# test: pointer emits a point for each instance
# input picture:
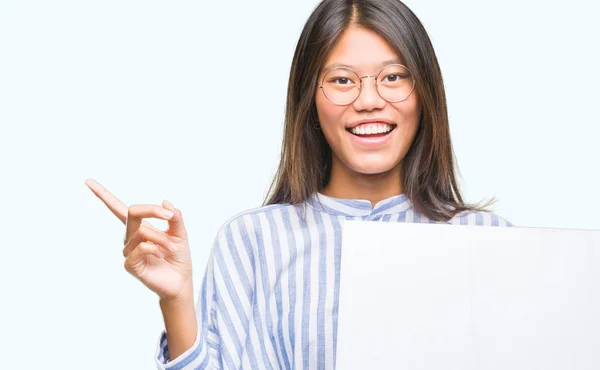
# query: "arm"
(183, 345)
(180, 322)
(169, 275)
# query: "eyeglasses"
(342, 86)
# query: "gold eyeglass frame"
(376, 83)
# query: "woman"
(366, 137)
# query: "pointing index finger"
(115, 205)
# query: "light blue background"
(136, 94)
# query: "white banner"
(432, 297)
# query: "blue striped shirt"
(269, 297)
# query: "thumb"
(176, 227)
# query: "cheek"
(329, 114)
(406, 135)
(410, 109)
(409, 112)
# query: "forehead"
(361, 50)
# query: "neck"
(347, 184)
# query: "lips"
(371, 141)
(371, 129)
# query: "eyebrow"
(382, 64)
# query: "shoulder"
(238, 243)
(246, 226)
(479, 218)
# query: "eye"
(341, 80)
(394, 77)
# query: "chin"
(373, 167)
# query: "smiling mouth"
(371, 130)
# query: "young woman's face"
(366, 53)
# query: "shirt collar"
(358, 207)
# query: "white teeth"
(371, 128)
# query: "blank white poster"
(430, 297)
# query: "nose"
(368, 98)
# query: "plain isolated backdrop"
(185, 100)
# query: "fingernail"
(167, 213)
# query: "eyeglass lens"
(342, 85)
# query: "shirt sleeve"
(480, 218)
(204, 352)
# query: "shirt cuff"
(187, 360)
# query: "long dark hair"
(428, 173)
